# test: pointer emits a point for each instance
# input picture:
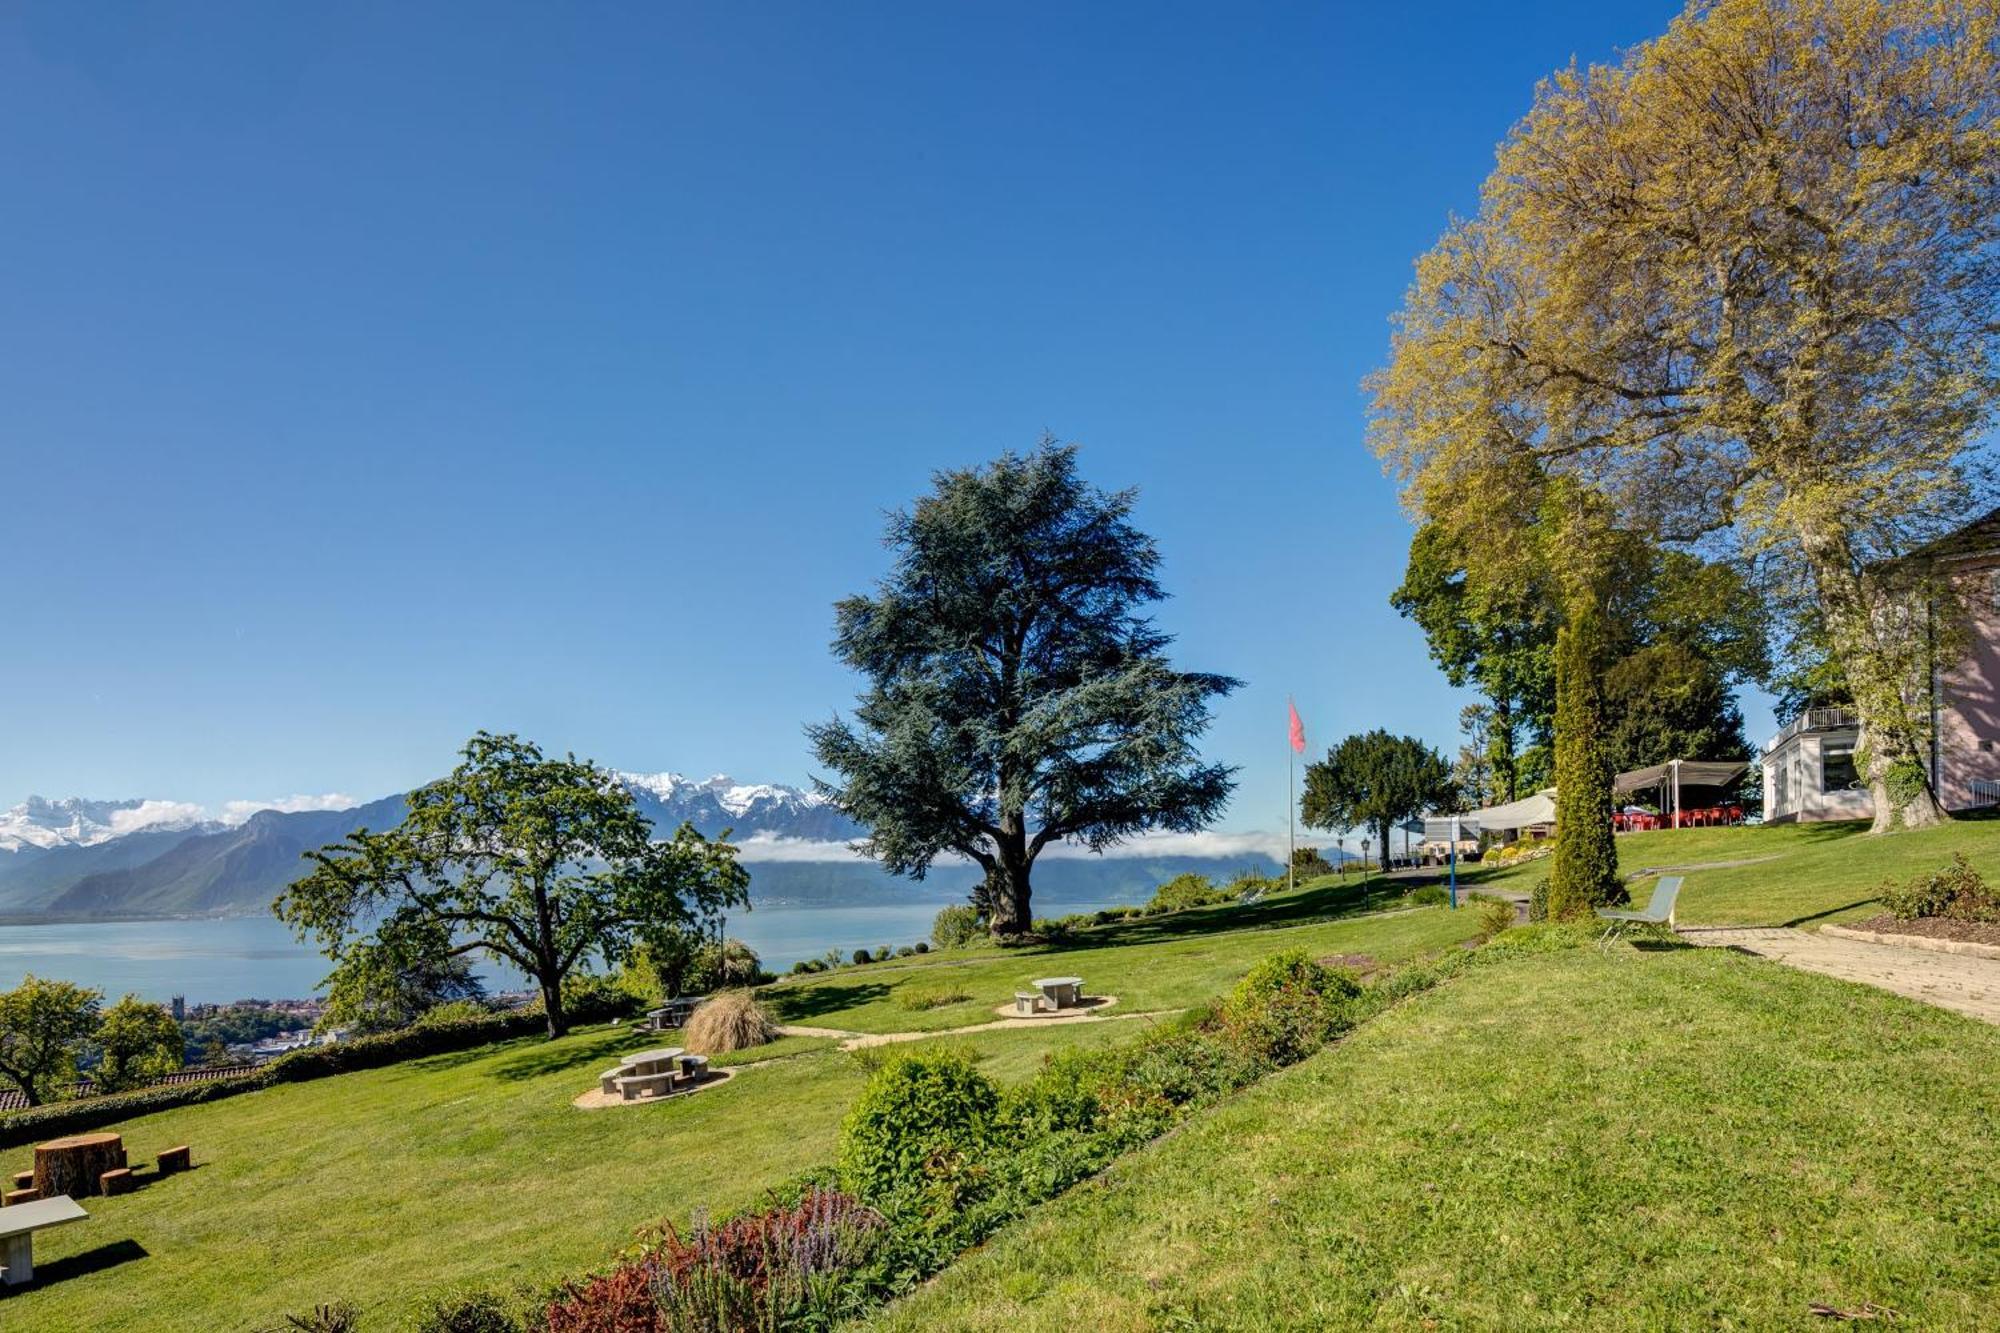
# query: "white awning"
(1527, 812)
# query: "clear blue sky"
(376, 373)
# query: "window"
(1836, 768)
(1780, 789)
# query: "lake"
(236, 958)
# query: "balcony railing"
(1814, 719)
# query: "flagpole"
(1291, 809)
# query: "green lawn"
(1816, 872)
(1159, 963)
(378, 1187)
(1666, 1139)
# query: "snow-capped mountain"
(77, 821)
(749, 809)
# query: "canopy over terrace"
(1514, 817)
(1698, 788)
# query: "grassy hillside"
(379, 1187)
(1788, 874)
(1672, 1139)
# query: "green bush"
(35, 1124)
(925, 1119)
(862, 956)
(1957, 893)
(957, 925)
(1495, 915)
(479, 1310)
(453, 1011)
(1186, 891)
(1429, 895)
(1287, 1006)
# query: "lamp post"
(1364, 858)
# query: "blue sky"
(372, 374)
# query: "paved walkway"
(1969, 985)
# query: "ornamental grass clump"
(730, 1021)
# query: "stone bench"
(18, 1225)
(634, 1085)
(1027, 1002)
(694, 1068)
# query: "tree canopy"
(136, 1041)
(1375, 781)
(43, 1026)
(1017, 695)
(540, 862)
(1739, 286)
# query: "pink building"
(1809, 769)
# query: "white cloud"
(235, 812)
(148, 814)
(1221, 846)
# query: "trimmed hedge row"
(344, 1057)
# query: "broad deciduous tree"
(43, 1025)
(1017, 696)
(1375, 781)
(539, 862)
(136, 1041)
(1741, 284)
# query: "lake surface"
(255, 957)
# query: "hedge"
(387, 1048)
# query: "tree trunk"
(1871, 640)
(1009, 880)
(552, 1006)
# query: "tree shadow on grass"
(1329, 903)
(800, 1004)
(541, 1061)
(1831, 911)
(73, 1266)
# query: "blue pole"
(1454, 861)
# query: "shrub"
(1429, 895)
(1287, 1006)
(921, 946)
(339, 1317)
(862, 956)
(925, 1118)
(620, 1301)
(1957, 892)
(731, 1020)
(917, 998)
(1310, 863)
(453, 1011)
(783, 1266)
(1250, 882)
(474, 1310)
(1495, 915)
(904, 951)
(1186, 891)
(957, 925)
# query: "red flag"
(1298, 728)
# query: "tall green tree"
(542, 863)
(1375, 781)
(1018, 696)
(397, 978)
(136, 1041)
(43, 1026)
(1665, 702)
(1742, 284)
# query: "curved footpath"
(1968, 985)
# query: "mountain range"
(104, 859)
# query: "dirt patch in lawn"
(1359, 962)
(1934, 928)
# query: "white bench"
(18, 1225)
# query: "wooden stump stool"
(12, 1197)
(24, 1180)
(75, 1165)
(120, 1181)
(175, 1159)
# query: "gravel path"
(855, 1041)
(1969, 985)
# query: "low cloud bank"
(1219, 846)
(235, 812)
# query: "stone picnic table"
(1061, 992)
(18, 1225)
(650, 1073)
